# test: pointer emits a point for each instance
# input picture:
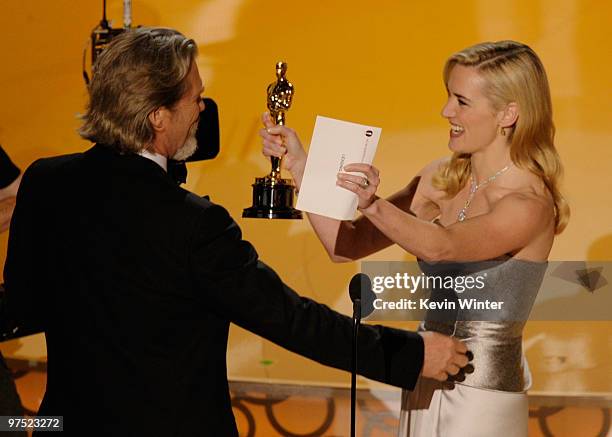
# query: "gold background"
(371, 62)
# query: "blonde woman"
(496, 197)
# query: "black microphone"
(360, 291)
(360, 288)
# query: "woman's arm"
(7, 203)
(343, 240)
(353, 240)
(361, 237)
(7, 206)
(282, 141)
(514, 221)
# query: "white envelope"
(334, 144)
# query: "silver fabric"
(497, 342)
(492, 399)
(498, 357)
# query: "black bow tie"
(177, 170)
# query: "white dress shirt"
(160, 160)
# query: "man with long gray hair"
(135, 280)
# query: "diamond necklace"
(475, 187)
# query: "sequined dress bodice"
(494, 337)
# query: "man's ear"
(159, 118)
(508, 116)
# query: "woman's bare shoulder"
(424, 198)
(430, 169)
(523, 185)
(426, 175)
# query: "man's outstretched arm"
(239, 287)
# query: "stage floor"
(265, 409)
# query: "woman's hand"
(282, 141)
(364, 186)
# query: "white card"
(335, 143)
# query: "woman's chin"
(454, 146)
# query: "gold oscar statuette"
(273, 195)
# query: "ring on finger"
(366, 182)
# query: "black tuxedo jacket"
(135, 281)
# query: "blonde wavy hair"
(140, 71)
(512, 72)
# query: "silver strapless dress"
(492, 400)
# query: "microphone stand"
(359, 287)
(356, 323)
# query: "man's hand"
(444, 356)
